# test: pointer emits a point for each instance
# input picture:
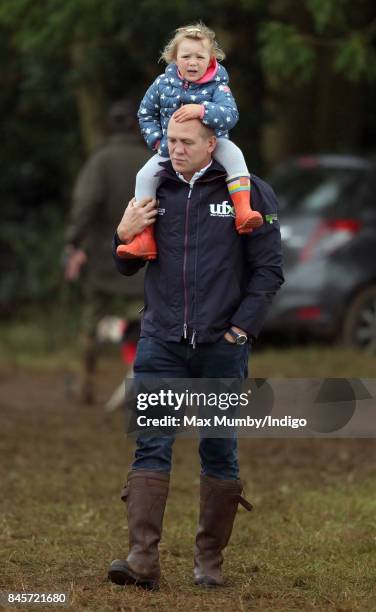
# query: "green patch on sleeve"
(270, 218)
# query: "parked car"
(328, 226)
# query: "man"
(105, 182)
(206, 298)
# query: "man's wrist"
(238, 335)
(122, 237)
(236, 329)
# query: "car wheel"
(359, 327)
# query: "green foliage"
(31, 255)
(285, 53)
(44, 25)
(291, 50)
(356, 59)
(328, 14)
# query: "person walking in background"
(104, 183)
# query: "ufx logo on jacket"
(222, 210)
(160, 211)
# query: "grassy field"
(309, 544)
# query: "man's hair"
(196, 31)
(206, 131)
(122, 116)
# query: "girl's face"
(192, 59)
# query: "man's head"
(121, 117)
(190, 145)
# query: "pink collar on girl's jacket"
(209, 74)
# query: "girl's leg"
(146, 181)
(239, 185)
(143, 245)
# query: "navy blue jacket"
(207, 277)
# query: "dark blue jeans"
(218, 456)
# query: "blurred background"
(303, 74)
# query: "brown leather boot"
(219, 501)
(146, 495)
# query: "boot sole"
(121, 574)
(207, 583)
(124, 254)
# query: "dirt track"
(62, 467)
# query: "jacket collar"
(209, 75)
(219, 75)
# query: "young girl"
(194, 85)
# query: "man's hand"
(228, 336)
(188, 111)
(137, 216)
(75, 259)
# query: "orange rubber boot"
(246, 219)
(142, 246)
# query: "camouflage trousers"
(97, 305)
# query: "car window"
(316, 189)
(367, 193)
(323, 195)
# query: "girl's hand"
(188, 111)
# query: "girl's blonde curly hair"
(196, 31)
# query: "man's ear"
(212, 143)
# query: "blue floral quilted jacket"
(169, 91)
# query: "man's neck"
(192, 177)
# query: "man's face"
(190, 146)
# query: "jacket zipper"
(193, 339)
(185, 326)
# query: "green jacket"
(103, 188)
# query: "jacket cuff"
(202, 113)
(243, 324)
(117, 240)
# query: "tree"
(319, 57)
(295, 34)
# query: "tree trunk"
(90, 101)
(317, 117)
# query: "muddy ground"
(310, 542)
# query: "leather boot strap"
(243, 502)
